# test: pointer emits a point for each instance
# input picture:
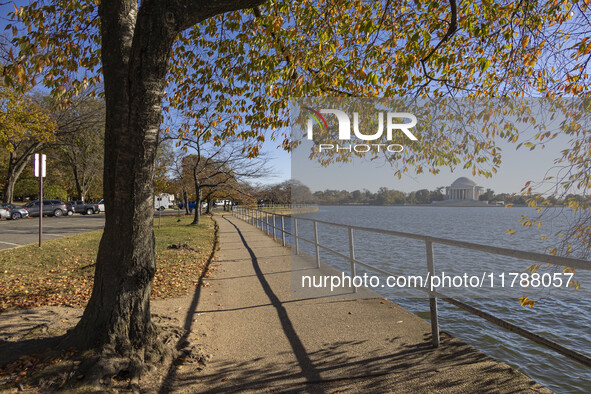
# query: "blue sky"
(5, 8)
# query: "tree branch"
(190, 12)
(451, 30)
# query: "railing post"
(316, 244)
(267, 221)
(295, 234)
(283, 230)
(274, 234)
(432, 298)
(352, 256)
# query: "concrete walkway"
(263, 339)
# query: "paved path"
(262, 338)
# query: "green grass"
(62, 271)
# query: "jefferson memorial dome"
(463, 189)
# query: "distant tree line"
(383, 196)
(293, 191)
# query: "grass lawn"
(62, 271)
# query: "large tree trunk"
(118, 313)
(135, 50)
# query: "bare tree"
(80, 143)
(214, 166)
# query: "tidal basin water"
(563, 315)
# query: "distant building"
(463, 189)
(463, 192)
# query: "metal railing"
(280, 206)
(268, 220)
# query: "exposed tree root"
(109, 369)
(104, 370)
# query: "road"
(15, 233)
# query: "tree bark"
(186, 200)
(134, 55)
(136, 47)
(198, 199)
(79, 192)
(16, 165)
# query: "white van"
(163, 201)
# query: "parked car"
(86, 209)
(50, 207)
(191, 204)
(15, 212)
(101, 205)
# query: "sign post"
(40, 172)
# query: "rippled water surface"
(564, 316)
